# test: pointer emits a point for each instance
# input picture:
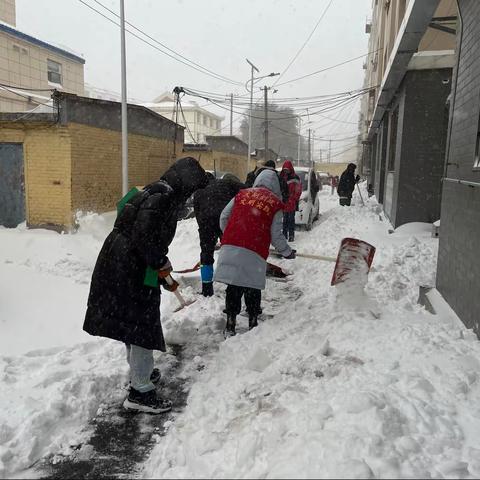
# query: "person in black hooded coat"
(346, 185)
(120, 305)
(208, 204)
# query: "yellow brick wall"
(46, 153)
(97, 165)
(225, 162)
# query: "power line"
(191, 65)
(305, 43)
(328, 68)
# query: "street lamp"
(251, 81)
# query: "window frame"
(50, 63)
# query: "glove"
(206, 272)
(165, 270)
(292, 255)
(207, 289)
(357, 178)
(170, 287)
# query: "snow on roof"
(56, 48)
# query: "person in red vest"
(294, 192)
(250, 223)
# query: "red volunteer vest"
(251, 220)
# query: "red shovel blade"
(354, 260)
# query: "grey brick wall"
(458, 274)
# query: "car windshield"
(304, 179)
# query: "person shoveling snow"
(124, 301)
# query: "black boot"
(252, 321)
(207, 289)
(230, 326)
(147, 402)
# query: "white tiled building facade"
(30, 63)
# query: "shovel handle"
(169, 281)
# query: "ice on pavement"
(334, 385)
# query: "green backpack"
(151, 275)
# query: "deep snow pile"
(53, 376)
(334, 386)
(371, 385)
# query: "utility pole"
(329, 151)
(265, 106)
(313, 149)
(231, 114)
(124, 102)
(309, 146)
(250, 113)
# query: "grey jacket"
(240, 266)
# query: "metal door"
(12, 186)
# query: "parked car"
(187, 210)
(309, 204)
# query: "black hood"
(351, 167)
(185, 176)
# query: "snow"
(355, 384)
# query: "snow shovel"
(183, 303)
(308, 255)
(353, 262)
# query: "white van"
(309, 204)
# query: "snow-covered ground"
(333, 385)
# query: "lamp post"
(124, 102)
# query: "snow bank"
(337, 387)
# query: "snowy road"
(324, 388)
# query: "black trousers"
(345, 201)
(233, 300)
(289, 225)
(209, 233)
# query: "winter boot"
(147, 402)
(230, 326)
(155, 375)
(252, 321)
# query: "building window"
(54, 72)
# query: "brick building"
(223, 153)
(55, 164)
(404, 119)
(458, 271)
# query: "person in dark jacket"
(208, 204)
(346, 185)
(294, 192)
(124, 299)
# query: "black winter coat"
(347, 182)
(208, 204)
(120, 306)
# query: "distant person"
(294, 191)
(250, 223)
(124, 299)
(334, 183)
(346, 185)
(208, 204)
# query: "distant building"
(458, 274)
(198, 123)
(403, 121)
(29, 63)
(221, 153)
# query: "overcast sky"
(218, 34)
